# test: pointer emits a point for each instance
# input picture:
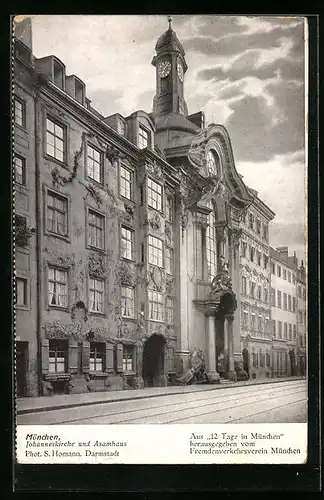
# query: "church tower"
(170, 67)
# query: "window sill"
(96, 183)
(58, 236)
(96, 249)
(21, 127)
(129, 318)
(130, 200)
(157, 320)
(58, 308)
(96, 313)
(98, 374)
(57, 376)
(58, 162)
(130, 373)
(21, 307)
(128, 260)
(21, 188)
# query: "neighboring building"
(301, 320)
(254, 298)
(127, 260)
(284, 312)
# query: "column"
(213, 375)
(231, 375)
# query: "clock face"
(180, 71)
(164, 68)
(211, 163)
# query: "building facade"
(142, 258)
(301, 293)
(284, 269)
(254, 298)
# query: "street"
(279, 402)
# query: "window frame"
(64, 127)
(159, 258)
(169, 310)
(169, 259)
(93, 348)
(132, 241)
(160, 309)
(141, 127)
(61, 345)
(278, 271)
(96, 291)
(22, 102)
(66, 199)
(151, 190)
(24, 172)
(95, 149)
(132, 299)
(127, 181)
(25, 281)
(65, 270)
(129, 348)
(100, 215)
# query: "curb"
(223, 385)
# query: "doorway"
(21, 368)
(153, 361)
(246, 361)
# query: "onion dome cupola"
(170, 67)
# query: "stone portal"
(153, 361)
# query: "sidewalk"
(61, 401)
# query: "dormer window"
(79, 91)
(144, 137)
(58, 73)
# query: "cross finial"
(170, 22)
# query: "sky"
(245, 73)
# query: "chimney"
(23, 30)
(283, 252)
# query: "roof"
(174, 121)
(289, 261)
(169, 40)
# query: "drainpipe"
(38, 244)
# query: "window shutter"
(109, 357)
(45, 356)
(119, 350)
(85, 357)
(73, 356)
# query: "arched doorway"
(153, 361)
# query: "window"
(273, 297)
(96, 295)
(252, 289)
(169, 260)
(243, 246)
(169, 310)
(300, 316)
(156, 305)
(169, 209)
(20, 170)
(251, 221)
(96, 230)
(268, 362)
(211, 245)
(58, 74)
(299, 292)
(143, 137)
(285, 330)
(266, 294)
(265, 232)
(79, 91)
(97, 356)
(259, 258)
(57, 287)
(57, 214)
(243, 285)
(155, 251)
(20, 114)
(289, 276)
(289, 302)
(255, 359)
(285, 301)
(127, 301)
(293, 278)
(154, 194)
(284, 273)
(274, 328)
(253, 321)
(94, 164)
(245, 315)
(127, 243)
(258, 226)
(125, 183)
(260, 323)
(273, 268)
(57, 360)
(290, 331)
(280, 329)
(294, 304)
(251, 254)
(21, 292)
(259, 292)
(279, 271)
(279, 299)
(128, 358)
(294, 332)
(55, 140)
(265, 261)
(262, 359)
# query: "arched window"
(211, 244)
(212, 161)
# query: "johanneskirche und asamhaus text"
(142, 257)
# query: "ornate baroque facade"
(129, 238)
